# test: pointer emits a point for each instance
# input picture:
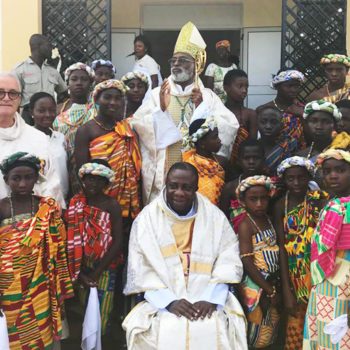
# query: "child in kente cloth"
(34, 278)
(201, 147)
(330, 257)
(251, 159)
(94, 225)
(260, 256)
(295, 217)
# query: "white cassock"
(158, 132)
(155, 267)
(22, 137)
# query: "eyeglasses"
(13, 95)
(180, 60)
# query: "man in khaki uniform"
(35, 75)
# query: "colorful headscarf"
(296, 161)
(19, 159)
(324, 106)
(286, 76)
(256, 180)
(135, 75)
(109, 84)
(338, 154)
(335, 58)
(98, 170)
(189, 141)
(100, 63)
(342, 141)
(77, 66)
(223, 43)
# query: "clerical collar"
(187, 89)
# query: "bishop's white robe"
(158, 131)
(154, 267)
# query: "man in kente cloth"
(184, 269)
(163, 120)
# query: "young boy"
(236, 87)
(251, 160)
(94, 230)
(344, 108)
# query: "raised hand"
(196, 97)
(164, 95)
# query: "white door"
(261, 59)
(122, 46)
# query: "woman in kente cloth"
(110, 137)
(336, 68)
(34, 278)
(138, 86)
(295, 217)
(330, 259)
(288, 85)
(94, 236)
(74, 112)
(260, 256)
(201, 146)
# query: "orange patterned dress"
(211, 175)
(120, 148)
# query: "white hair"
(9, 75)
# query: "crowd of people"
(227, 227)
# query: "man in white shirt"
(163, 120)
(16, 136)
(183, 254)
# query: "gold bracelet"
(273, 294)
(247, 254)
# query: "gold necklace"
(274, 102)
(102, 126)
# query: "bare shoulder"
(278, 207)
(245, 227)
(223, 161)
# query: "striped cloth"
(68, 122)
(121, 150)
(331, 234)
(89, 238)
(261, 327)
(34, 278)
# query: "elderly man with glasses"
(17, 136)
(162, 122)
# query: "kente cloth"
(340, 94)
(154, 263)
(242, 134)
(155, 160)
(328, 300)
(292, 131)
(295, 329)
(261, 326)
(68, 123)
(34, 278)
(331, 234)
(299, 225)
(89, 238)
(211, 175)
(285, 148)
(237, 213)
(120, 148)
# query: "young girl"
(330, 256)
(34, 278)
(260, 256)
(251, 160)
(43, 109)
(295, 218)
(203, 143)
(95, 235)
